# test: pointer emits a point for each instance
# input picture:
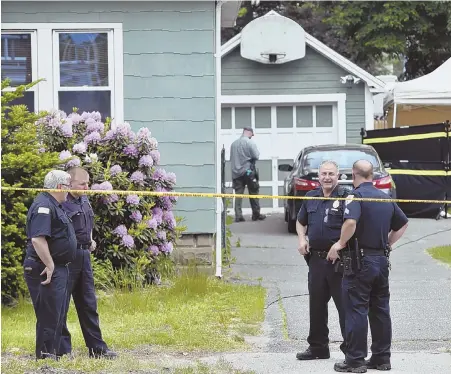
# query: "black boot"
(373, 365)
(259, 217)
(308, 354)
(343, 367)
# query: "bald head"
(79, 180)
(363, 169)
(76, 171)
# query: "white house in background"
(295, 92)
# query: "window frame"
(44, 64)
(34, 61)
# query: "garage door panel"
(326, 138)
(281, 192)
(243, 117)
(288, 145)
(304, 117)
(324, 116)
(263, 117)
(226, 118)
(227, 140)
(228, 171)
(264, 145)
(265, 170)
(284, 115)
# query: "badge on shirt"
(335, 204)
(349, 199)
(43, 210)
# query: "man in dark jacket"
(79, 209)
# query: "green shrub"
(135, 233)
(23, 165)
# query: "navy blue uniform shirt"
(80, 212)
(374, 219)
(47, 218)
(323, 219)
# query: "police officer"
(51, 246)
(243, 156)
(322, 219)
(372, 228)
(82, 289)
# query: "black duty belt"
(38, 260)
(372, 252)
(83, 246)
(320, 253)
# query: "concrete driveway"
(420, 299)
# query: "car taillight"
(304, 185)
(383, 183)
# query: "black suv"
(303, 175)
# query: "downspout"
(219, 205)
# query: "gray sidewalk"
(420, 300)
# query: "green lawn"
(441, 253)
(196, 313)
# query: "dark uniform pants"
(83, 293)
(239, 185)
(323, 283)
(366, 296)
(50, 305)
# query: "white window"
(82, 65)
(19, 64)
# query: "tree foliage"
(22, 166)
(417, 33)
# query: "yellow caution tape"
(425, 173)
(226, 195)
(402, 138)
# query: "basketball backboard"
(273, 39)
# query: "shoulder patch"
(349, 199)
(43, 210)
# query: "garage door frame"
(338, 100)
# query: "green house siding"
(313, 74)
(169, 82)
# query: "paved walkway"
(420, 299)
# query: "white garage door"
(281, 131)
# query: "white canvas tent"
(433, 89)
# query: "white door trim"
(283, 99)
